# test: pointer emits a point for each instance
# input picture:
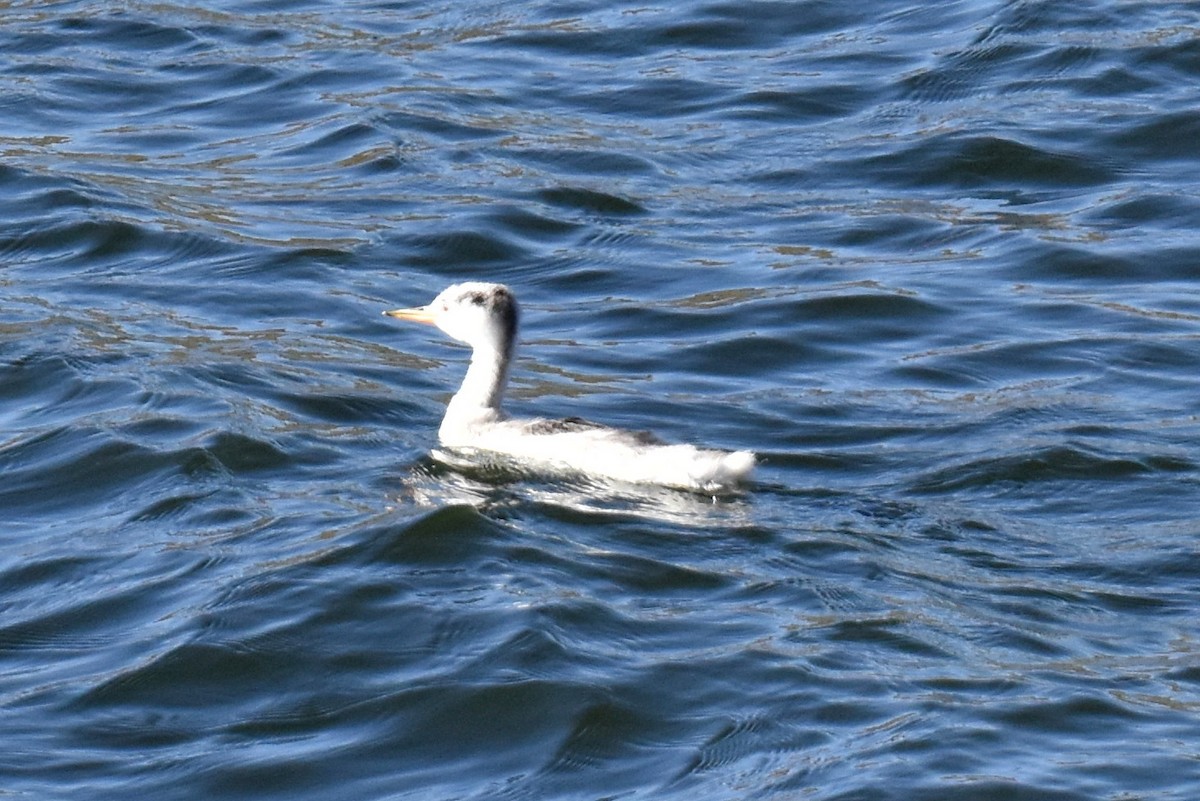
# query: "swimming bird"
(485, 316)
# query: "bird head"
(482, 315)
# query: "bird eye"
(477, 298)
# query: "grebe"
(485, 316)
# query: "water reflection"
(494, 485)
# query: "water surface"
(936, 263)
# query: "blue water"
(937, 264)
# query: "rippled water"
(936, 263)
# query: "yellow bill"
(421, 314)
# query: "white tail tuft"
(723, 471)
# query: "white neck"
(478, 399)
